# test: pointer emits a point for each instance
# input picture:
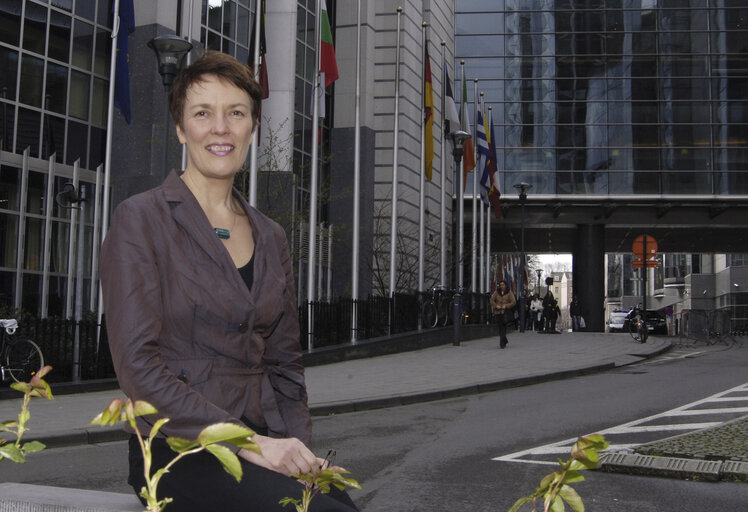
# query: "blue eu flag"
(122, 74)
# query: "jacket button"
(243, 327)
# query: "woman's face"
(502, 286)
(217, 127)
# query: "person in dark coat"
(575, 312)
(201, 311)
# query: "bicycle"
(436, 310)
(20, 358)
(638, 325)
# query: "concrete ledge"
(41, 498)
(661, 466)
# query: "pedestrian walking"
(575, 312)
(502, 304)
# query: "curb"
(430, 396)
(674, 467)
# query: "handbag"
(582, 325)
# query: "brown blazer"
(186, 334)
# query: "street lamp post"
(458, 138)
(538, 271)
(170, 51)
(522, 188)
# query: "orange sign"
(638, 247)
(640, 263)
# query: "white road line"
(661, 428)
(639, 426)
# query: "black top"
(248, 272)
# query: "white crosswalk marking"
(661, 422)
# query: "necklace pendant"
(223, 234)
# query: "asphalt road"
(439, 456)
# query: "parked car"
(655, 322)
(616, 320)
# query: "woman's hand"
(286, 456)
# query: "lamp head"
(523, 188)
(458, 138)
(170, 51)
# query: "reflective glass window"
(11, 188)
(59, 37)
(7, 121)
(104, 12)
(242, 26)
(79, 95)
(479, 23)
(77, 143)
(29, 128)
(57, 87)
(102, 55)
(9, 65)
(53, 137)
(99, 102)
(32, 77)
(35, 28)
(10, 21)
(63, 4)
(477, 45)
(85, 9)
(229, 19)
(83, 44)
(98, 147)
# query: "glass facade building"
(54, 80)
(613, 97)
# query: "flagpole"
(491, 145)
(252, 195)
(396, 129)
(313, 184)
(422, 194)
(460, 201)
(474, 223)
(189, 61)
(108, 151)
(481, 255)
(356, 180)
(443, 182)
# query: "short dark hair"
(223, 66)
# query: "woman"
(201, 312)
(502, 301)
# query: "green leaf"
(519, 503)
(181, 445)
(228, 459)
(557, 505)
(110, 415)
(157, 426)
(572, 498)
(573, 476)
(224, 432)
(143, 408)
(24, 416)
(7, 425)
(33, 446)
(578, 464)
(12, 452)
(23, 387)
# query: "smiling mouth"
(214, 148)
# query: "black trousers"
(501, 321)
(198, 483)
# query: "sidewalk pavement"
(430, 374)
